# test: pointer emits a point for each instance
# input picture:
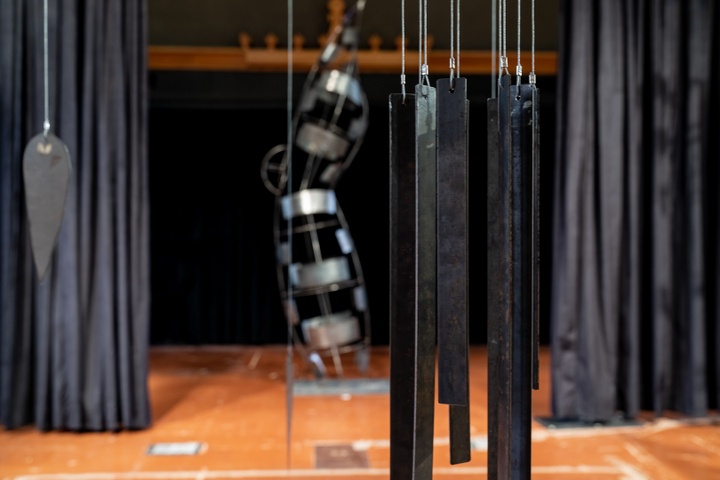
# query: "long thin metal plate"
(426, 127)
(46, 173)
(452, 261)
(536, 238)
(403, 298)
(522, 333)
(460, 443)
(499, 296)
(494, 280)
(452, 252)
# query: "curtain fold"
(73, 349)
(635, 233)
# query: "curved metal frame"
(307, 209)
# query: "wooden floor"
(233, 402)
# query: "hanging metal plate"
(510, 269)
(403, 298)
(460, 442)
(452, 261)
(521, 274)
(452, 251)
(426, 129)
(411, 381)
(495, 222)
(46, 173)
(500, 282)
(536, 237)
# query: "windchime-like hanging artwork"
(513, 261)
(429, 269)
(318, 268)
(429, 264)
(46, 178)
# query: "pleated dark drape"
(635, 319)
(73, 350)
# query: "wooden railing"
(243, 59)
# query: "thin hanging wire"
(423, 50)
(289, 351)
(425, 33)
(402, 49)
(494, 41)
(452, 42)
(457, 16)
(46, 68)
(503, 38)
(518, 69)
(532, 78)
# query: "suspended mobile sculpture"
(318, 267)
(46, 177)
(429, 269)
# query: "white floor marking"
(700, 442)
(334, 473)
(628, 471)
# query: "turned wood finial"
(244, 39)
(271, 41)
(399, 42)
(298, 41)
(336, 10)
(322, 40)
(375, 41)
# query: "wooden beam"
(475, 62)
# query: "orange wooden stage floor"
(232, 400)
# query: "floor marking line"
(630, 472)
(700, 442)
(335, 473)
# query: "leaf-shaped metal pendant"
(46, 172)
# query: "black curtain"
(635, 320)
(73, 349)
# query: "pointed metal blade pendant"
(46, 172)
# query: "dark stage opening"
(212, 255)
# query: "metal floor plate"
(340, 456)
(175, 448)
